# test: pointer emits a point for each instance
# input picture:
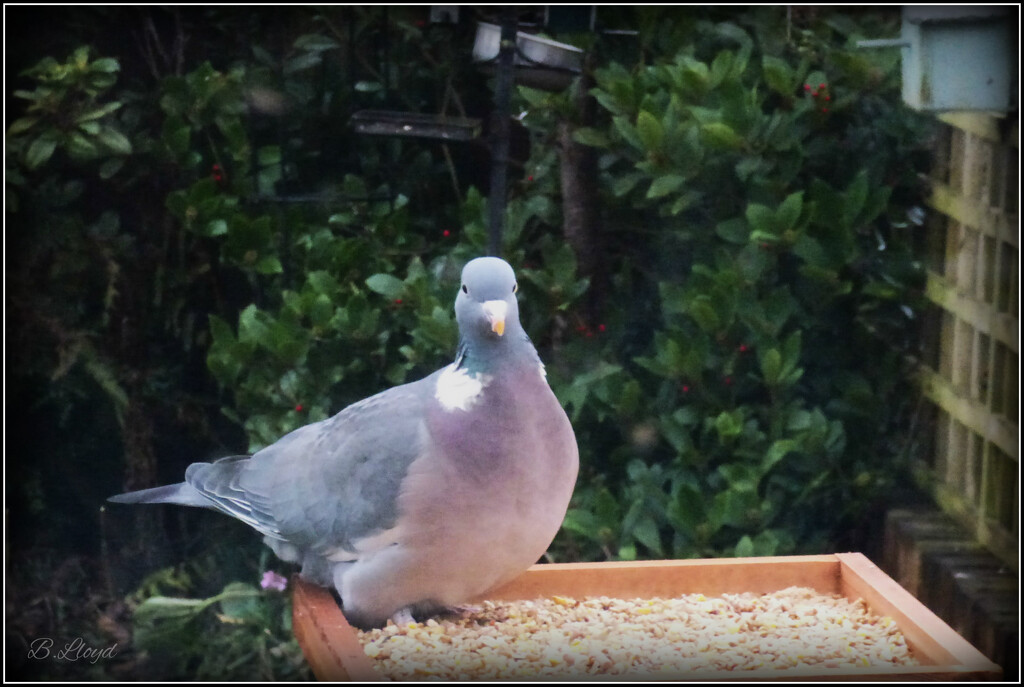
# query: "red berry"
(298, 408)
(728, 381)
(807, 86)
(601, 328)
(446, 233)
(821, 86)
(686, 388)
(743, 348)
(828, 97)
(824, 109)
(398, 301)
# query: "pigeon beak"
(496, 311)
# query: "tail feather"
(182, 494)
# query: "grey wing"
(327, 485)
(220, 483)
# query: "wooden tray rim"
(334, 652)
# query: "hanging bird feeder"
(539, 62)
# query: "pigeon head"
(486, 307)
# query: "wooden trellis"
(971, 375)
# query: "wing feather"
(328, 485)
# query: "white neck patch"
(458, 390)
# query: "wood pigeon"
(425, 495)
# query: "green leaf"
(369, 86)
(322, 282)
(855, 197)
(105, 376)
(304, 61)
(791, 348)
(582, 522)
(22, 125)
(686, 510)
(777, 74)
(240, 601)
(386, 285)
(789, 211)
(627, 552)
(740, 476)
(810, 251)
(722, 136)
(766, 543)
(321, 311)
(664, 185)
(684, 201)
(744, 547)
(106, 65)
(81, 148)
(625, 183)
(749, 166)
(761, 218)
(177, 139)
(100, 112)
(628, 132)
(39, 152)
(646, 532)
(269, 155)
(221, 331)
(771, 366)
(167, 608)
(676, 432)
(776, 452)
(733, 230)
(704, 314)
(115, 141)
(269, 265)
(649, 129)
(111, 166)
(729, 424)
(607, 101)
(730, 507)
(752, 262)
(217, 227)
(315, 42)
(251, 328)
(589, 136)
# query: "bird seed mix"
(562, 637)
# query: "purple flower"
(271, 580)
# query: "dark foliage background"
(713, 228)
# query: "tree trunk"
(580, 200)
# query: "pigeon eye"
(515, 288)
(464, 289)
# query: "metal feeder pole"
(500, 135)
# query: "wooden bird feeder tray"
(413, 124)
(334, 652)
